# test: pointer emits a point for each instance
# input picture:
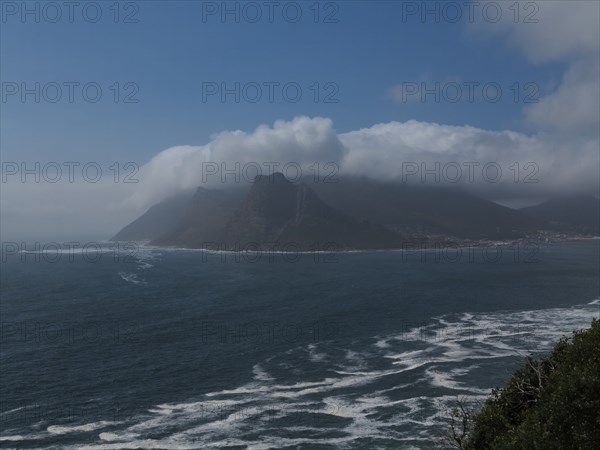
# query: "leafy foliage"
(552, 403)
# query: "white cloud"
(389, 151)
(302, 141)
(381, 151)
(563, 31)
(574, 106)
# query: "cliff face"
(354, 213)
(204, 218)
(428, 210)
(575, 213)
(278, 212)
(157, 221)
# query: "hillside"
(278, 211)
(426, 210)
(354, 213)
(158, 220)
(575, 213)
(551, 403)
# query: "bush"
(552, 403)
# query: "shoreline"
(423, 246)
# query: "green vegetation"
(551, 403)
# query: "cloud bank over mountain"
(413, 152)
(489, 163)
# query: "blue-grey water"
(177, 349)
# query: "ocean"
(182, 349)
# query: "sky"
(153, 106)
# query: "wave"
(132, 278)
(61, 429)
(13, 438)
(12, 411)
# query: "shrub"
(551, 403)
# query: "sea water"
(180, 349)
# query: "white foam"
(131, 278)
(314, 355)
(260, 374)
(382, 343)
(118, 436)
(146, 443)
(467, 339)
(12, 438)
(109, 436)
(6, 413)
(61, 429)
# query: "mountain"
(353, 213)
(204, 219)
(278, 211)
(158, 220)
(426, 210)
(579, 213)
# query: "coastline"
(410, 246)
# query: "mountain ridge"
(354, 213)
(280, 213)
(578, 213)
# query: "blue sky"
(170, 52)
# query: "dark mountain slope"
(426, 210)
(205, 218)
(575, 213)
(158, 220)
(277, 211)
(354, 213)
